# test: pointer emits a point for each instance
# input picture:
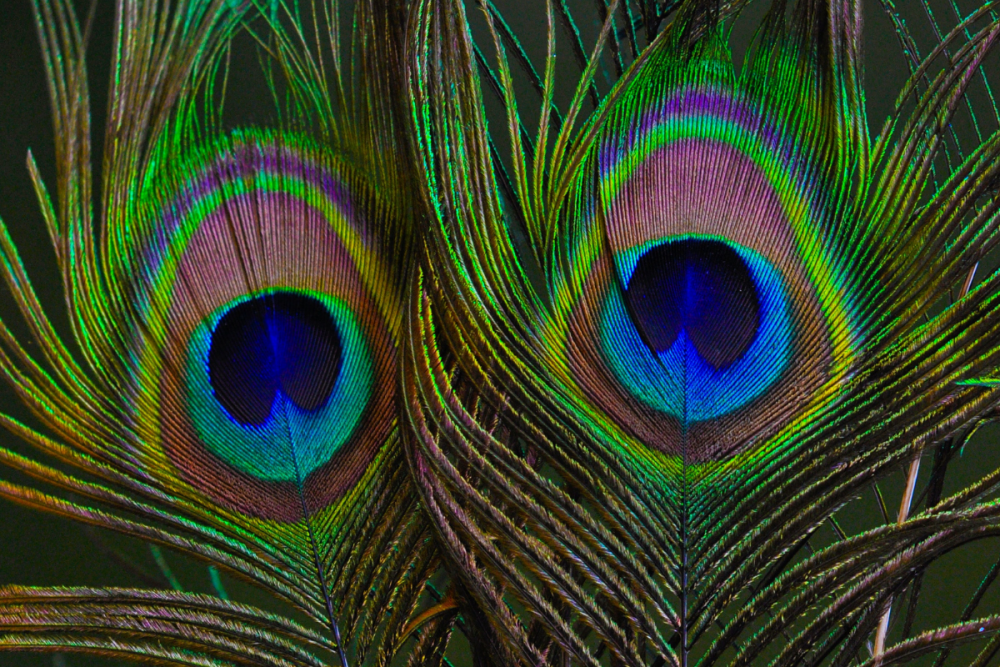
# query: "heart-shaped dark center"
(285, 342)
(702, 287)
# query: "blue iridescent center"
(277, 383)
(702, 328)
(699, 286)
(283, 342)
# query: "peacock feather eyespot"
(278, 365)
(711, 316)
(708, 297)
(268, 353)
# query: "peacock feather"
(237, 305)
(739, 330)
(477, 356)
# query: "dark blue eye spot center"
(285, 342)
(702, 287)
